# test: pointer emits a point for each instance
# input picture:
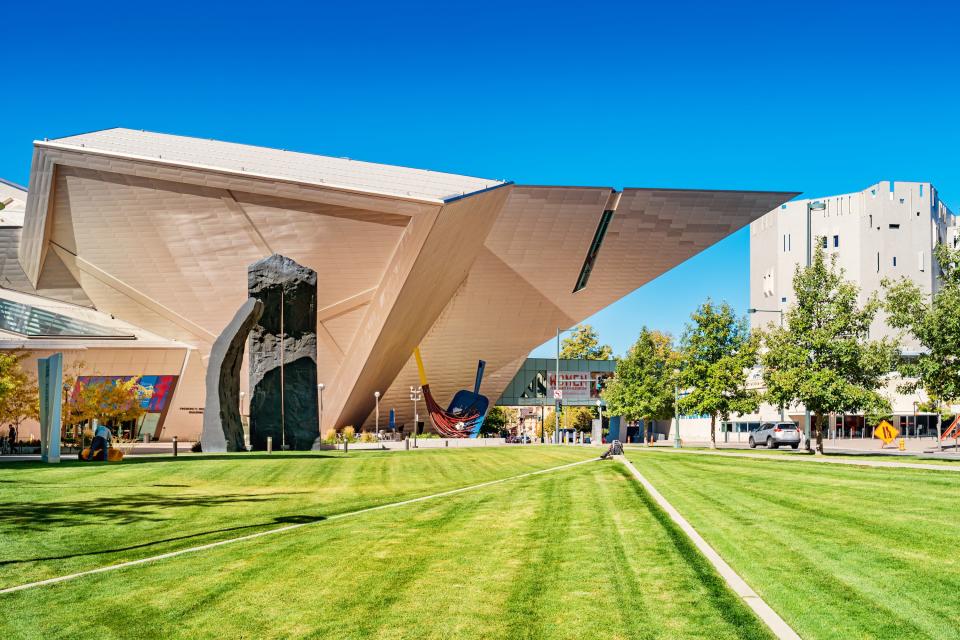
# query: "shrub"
(196, 448)
(428, 434)
(330, 436)
(367, 437)
(348, 433)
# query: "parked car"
(774, 434)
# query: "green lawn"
(839, 551)
(578, 553)
(58, 519)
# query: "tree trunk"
(818, 429)
(713, 431)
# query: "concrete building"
(888, 230)
(157, 231)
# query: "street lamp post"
(600, 415)
(415, 397)
(780, 311)
(556, 386)
(812, 205)
(376, 397)
(676, 409)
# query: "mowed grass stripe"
(839, 552)
(56, 520)
(453, 568)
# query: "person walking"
(101, 442)
(12, 438)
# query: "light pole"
(812, 205)
(376, 397)
(556, 387)
(415, 397)
(676, 408)
(320, 390)
(600, 415)
(780, 311)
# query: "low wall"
(421, 443)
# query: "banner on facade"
(574, 386)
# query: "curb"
(770, 617)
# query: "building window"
(894, 260)
(824, 242)
(836, 241)
(783, 299)
(591, 258)
(894, 226)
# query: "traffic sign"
(886, 432)
(558, 394)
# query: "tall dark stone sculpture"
(283, 355)
(222, 427)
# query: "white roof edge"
(233, 172)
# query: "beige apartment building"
(888, 230)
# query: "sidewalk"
(923, 447)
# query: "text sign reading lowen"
(886, 432)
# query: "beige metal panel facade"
(424, 276)
(520, 290)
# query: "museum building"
(130, 250)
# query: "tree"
(119, 400)
(581, 418)
(642, 387)
(498, 419)
(584, 343)
(822, 356)
(935, 323)
(716, 354)
(78, 403)
(21, 399)
(549, 422)
(11, 369)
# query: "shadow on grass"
(131, 508)
(21, 465)
(721, 597)
(280, 520)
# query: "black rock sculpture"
(283, 355)
(222, 427)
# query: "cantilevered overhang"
(212, 163)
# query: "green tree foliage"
(20, 399)
(716, 354)
(584, 343)
(11, 370)
(498, 419)
(642, 387)
(935, 323)
(822, 357)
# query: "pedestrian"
(12, 438)
(101, 442)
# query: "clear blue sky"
(818, 97)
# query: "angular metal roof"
(304, 168)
